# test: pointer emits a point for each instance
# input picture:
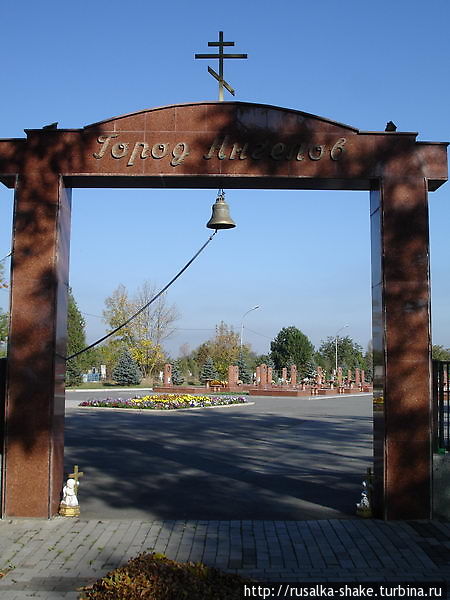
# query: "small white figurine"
(69, 504)
(364, 507)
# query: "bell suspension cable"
(145, 305)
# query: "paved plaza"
(277, 458)
(272, 456)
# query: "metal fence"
(441, 405)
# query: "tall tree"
(224, 348)
(156, 321)
(177, 376)
(208, 372)
(350, 354)
(244, 373)
(143, 335)
(118, 309)
(291, 346)
(76, 341)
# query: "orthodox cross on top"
(221, 56)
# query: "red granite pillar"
(34, 428)
(233, 375)
(263, 374)
(167, 377)
(401, 348)
(293, 375)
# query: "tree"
(3, 282)
(265, 359)
(119, 309)
(368, 362)
(108, 354)
(208, 372)
(177, 377)
(244, 374)
(187, 363)
(145, 332)
(309, 370)
(224, 348)
(440, 353)
(201, 355)
(350, 355)
(126, 372)
(76, 341)
(148, 356)
(291, 346)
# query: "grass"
(95, 385)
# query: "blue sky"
(304, 257)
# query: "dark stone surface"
(284, 458)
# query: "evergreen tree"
(265, 359)
(76, 341)
(309, 370)
(177, 377)
(126, 372)
(291, 345)
(244, 374)
(208, 372)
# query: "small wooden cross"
(75, 475)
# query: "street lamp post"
(242, 325)
(336, 342)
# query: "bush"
(152, 576)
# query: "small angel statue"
(69, 506)
(364, 507)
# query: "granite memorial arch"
(213, 145)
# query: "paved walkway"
(51, 559)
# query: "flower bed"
(165, 402)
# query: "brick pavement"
(51, 559)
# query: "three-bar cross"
(221, 56)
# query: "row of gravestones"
(264, 376)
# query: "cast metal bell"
(220, 218)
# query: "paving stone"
(74, 551)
